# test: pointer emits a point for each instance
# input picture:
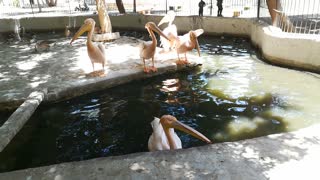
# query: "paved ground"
(22, 70)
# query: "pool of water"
(232, 96)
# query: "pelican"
(96, 53)
(170, 31)
(148, 49)
(164, 137)
(187, 43)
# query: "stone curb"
(16, 121)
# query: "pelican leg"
(154, 69)
(145, 69)
(92, 66)
(179, 62)
(185, 58)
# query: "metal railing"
(299, 16)
(302, 14)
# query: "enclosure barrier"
(295, 16)
(17, 120)
(299, 16)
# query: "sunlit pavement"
(23, 70)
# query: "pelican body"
(96, 53)
(164, 137)
(148, 49)
(170, 31)
(186, 43)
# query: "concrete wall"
(293, 50)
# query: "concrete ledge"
(74, 89)
(17, 120)
(280, 156)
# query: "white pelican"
(96, 53)
(148, 49)
(170, 31)
(187, 43)
(164, 137)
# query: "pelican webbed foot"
(146, 70)
(150, 69)
(99, 73)
(182, 62)
(153, 69)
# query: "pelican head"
(168, 121)
(194, 38)
(168, 18)
(87, 26)
(151, 26)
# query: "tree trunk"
(104, 18)
(279, 17)
(273, 4)
(120, 7)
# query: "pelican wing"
(172, 34)
(146, 50)
(96, 53)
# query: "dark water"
(4, 115)
(117, 121)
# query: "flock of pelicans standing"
(163, 136)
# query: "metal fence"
(302, 14)
(299, 16)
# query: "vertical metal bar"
(211, 8)
(258, 10)
(312, 17)
(301, 18)
(134, 6)
(307, 18)
(294, 17)
(317, 19)
(288, 16)
(166, 6)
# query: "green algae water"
(232, 96)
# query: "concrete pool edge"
(291, 155)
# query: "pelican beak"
(197, 46)
(153, 27)
(187, 129)
(84, 28)
(197, 33)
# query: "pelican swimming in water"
(96, 53)
(164, 137)
(148, 49)
(170, 31)
(187, 43)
